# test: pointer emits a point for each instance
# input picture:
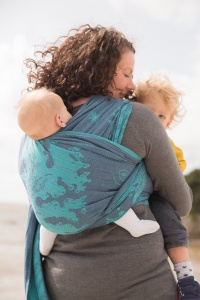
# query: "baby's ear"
(59, 122)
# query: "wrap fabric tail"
(35, 288)
(87, 151)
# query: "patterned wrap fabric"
(77, 180)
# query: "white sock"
(47, 239)
(183, 269)
(135, 226)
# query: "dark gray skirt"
(107, 263)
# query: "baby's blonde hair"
(161, 84)
(36, 115)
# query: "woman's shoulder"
(143, 115)
(141, 108)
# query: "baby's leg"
(135, 226)
(47, 239)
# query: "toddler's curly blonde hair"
(161, 84)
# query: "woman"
(106, 262)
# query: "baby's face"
(157, 104)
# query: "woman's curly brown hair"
(80, 64)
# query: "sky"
(165, 33)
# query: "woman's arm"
(146, 136)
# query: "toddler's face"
(156, 103)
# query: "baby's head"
(159, 94)
(41, 113)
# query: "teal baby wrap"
(81, 177)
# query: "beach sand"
(12, 231)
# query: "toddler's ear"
(59, 122)
(168, 124)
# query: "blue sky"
(166, 34)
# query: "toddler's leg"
(135, 226)
(47, 239)
(174, 232)
(176, 244)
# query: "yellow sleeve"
(179, 154)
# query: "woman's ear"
(59, 122)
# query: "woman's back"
(108, 263)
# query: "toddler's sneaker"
(189, 289)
